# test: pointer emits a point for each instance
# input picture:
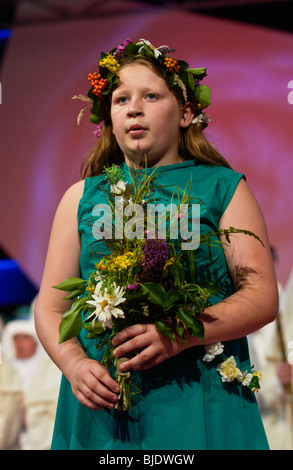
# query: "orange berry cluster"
(98, 83)
(172, 65)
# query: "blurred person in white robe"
(271, 350)
(29, 387)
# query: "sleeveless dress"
(183, 404)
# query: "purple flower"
(155, 254)
(98, 131)
(120, 48)
(132, 286)
(164, 50)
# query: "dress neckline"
(162, 168)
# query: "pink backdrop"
(41, 147)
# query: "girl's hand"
(151, 346)
(92, 385)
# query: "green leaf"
(136, 298)
(191, 82)
(96, 117)
(197, 328)
(131, 49)
(199, 72)
(70, 326)
(186, 316)
(191, 259)
(71, 284)
(177, 272)
(171, 299)
(211, 288)
(194, 325)
(254, 384)
(203, 95)
(180, 331)
(74, 294)
(183, 65)
(95, 330)
(156, 293)
(148, 51)
(165, 330)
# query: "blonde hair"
(192, 142)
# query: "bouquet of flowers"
(141, 280)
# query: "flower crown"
(176, 73)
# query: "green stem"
(123, 380)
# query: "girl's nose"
(135, 108)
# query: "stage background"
(250, 72)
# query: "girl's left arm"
(253, 305)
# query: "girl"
(152, 105)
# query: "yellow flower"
(123, 261)
(169, 262)
(102, 265)
(118, 263)
(228, 370)
(257, 374)
(110, 63)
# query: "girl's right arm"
(90, 381)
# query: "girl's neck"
(142, 161)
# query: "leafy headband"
(176, 73)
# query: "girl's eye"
(151, 97)
(121, 100)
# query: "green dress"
(183, 404)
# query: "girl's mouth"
(136, 130)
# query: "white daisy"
(105, 304)
(144, 42)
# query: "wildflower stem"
(123, 380)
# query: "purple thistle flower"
(155, 254)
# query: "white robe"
(29, 386)
(266, 353)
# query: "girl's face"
(146, 117)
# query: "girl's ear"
(188, 111)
